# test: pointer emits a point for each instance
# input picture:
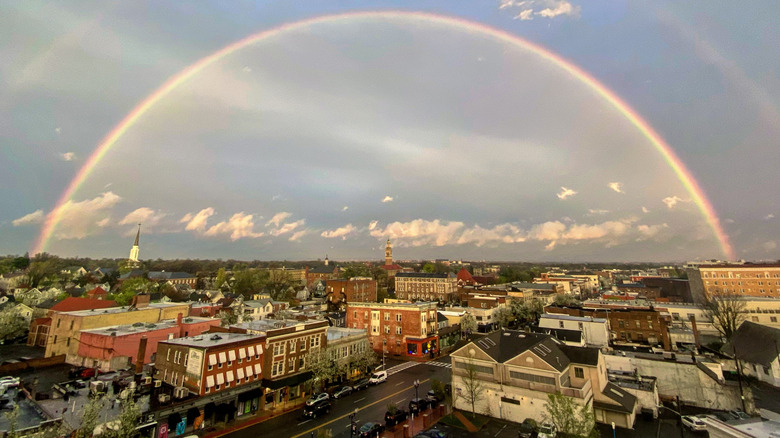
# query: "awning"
(258, 369)
(220, 379)
(209, 381)
(249, 395)
(232, 354)
(249, 371)
(251, 350)
(240, 373)
(212, 359)
(241, 353)
(230, 376)
(222, 357)
(288, 381)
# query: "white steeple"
(134, 250)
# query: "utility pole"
(679, 412)
(739, 377)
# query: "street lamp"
(352, 424)
(416, 385)
(613, 429)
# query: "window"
(398, 317)
(277, 368)
(387, 329)
(772, 319)
(168, 355)
(67, 343)
(579, 373)
(301, 363)
(754, 318)
(71, 325)
(58, 323)
(387, 316)
(398, 330)
(532, 378)
(621, 323)
(638, 325)
(560, 324)
(354, 314)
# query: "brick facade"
(404, 329)
(426, 287)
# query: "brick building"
(402, 329)
(627, 324)
(40, 327)
(672, 289)
(324, 272)
(426, 286)
(358, 289)
(748, 279)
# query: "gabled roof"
(98, 290)
(465, 276)
(71, 304)
(582, 355)
(754, 343)
(561, 334)
(506, 344)
(322, 269)
(625, 400)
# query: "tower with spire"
(388, 253)
(133, 259)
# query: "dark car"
(417, 405)
(432, 395)
(343, 392)
(371, 430)
(76, 372)
(431, 433)
(526, 429)
(360, 385)
(393, 418)
(320, 408)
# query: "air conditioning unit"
(164, 398)
(146, 380)
(157, 383)
(180, 392)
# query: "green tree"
(429, 268)
(41, 272)
(89, 417)
(278, 284)
(127, 422)
(246, 282)
(568, 417)
(565, 300)
(12, 324)
(727, 311)
(364, 360)
(21, 262)
(227, 318)
(324, 369)
(526, 311)
(503, 316)
(221, 278)
(130, 288)
(12, 418)
(468, 324)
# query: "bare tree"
(468, 324)
(473, 386)
(726, 311)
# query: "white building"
(595, 331)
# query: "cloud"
(345, 208)
(276, 198)
(58, 130)
(287, 228)
(540, 8)
(197, 222)
(649, 231)
(420, 232)
(104, 222)
(596, 211)
(35, 217)
(645, 210)
(561, 7)
(144, 215)
(671, 201)
(769, 245)
(80, 219)
(565, 193)
(505, 233)
(616, 186)
(68, 156)
(526, 14)
(278, 218)
(372, 225)
(297, 235)
(387, 199)
(239, 225)
(342, 232)
(768, 217)
(246, 69)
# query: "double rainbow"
(684, 175)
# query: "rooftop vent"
(138, 324)
(216, 338)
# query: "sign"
(181, 426)
(195, 364)
(163, 431)
(198, 423)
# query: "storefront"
(422, 347)
(278, 392)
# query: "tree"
(126, 424)
(364, 360)
(39, 271)
(526, 311)
(278, 284)
(12, 324)
(565, 300)
(503, 316)
(130, 288)
(89, 418)
(12, 418)
(227, 318)
(473, 386)
(322, 366)
(429, 268)
(221, 278)
(726, 311)
(246, 282)
(568, 417)
(468, 324)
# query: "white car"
(317, 397)
(377, 377)
(694, 423)
(9, 381)
(546, 430)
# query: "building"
(97, 293)
(757, 347)
(628, 324)
(544, 292)
(324, 272)
(671, 289)
(748, 279)
(357, 289)
(400, 329)
(519, 371)
(571, 285)
(40, 327)
(391, 268)
(262, 308)
(66, 327)
(132, 260)
(346, 347)
(116, 347)
(465, 278)
(638, 289)
(295, 276)
(594, 331)
(426, 286)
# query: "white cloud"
(58, 130)
(80, 219)
(505, 233)
(276, 198)
(560, 7)
(239, 225)
(420, 232)
(342, 232)
(246, 69)
(297, 235)
(649, 231)
(387, 199)
(565, 193)
(769, 245)
(596, 211)
(278, 218)
(104, 222)
(540, 8)
(35, 217)
(645, 210)
(770, 216)
(197, 222)
(287, 228)
(671, 201)
(144, 215)
(616, 186)
(68, 156)
(372, 225)
(525, 15)
(729, 221)
(345, 208)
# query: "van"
(377, 377)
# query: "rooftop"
(422, 275)
(139, 327)
(213, 340)
(263, 325)
(336, 333)
(561, 316)
(121, 309)
(419, 304)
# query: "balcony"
(581, 393)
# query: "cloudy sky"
(331, 136)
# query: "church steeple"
(388, 253)
(133, 259)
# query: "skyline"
(368, 121)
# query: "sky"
(459, 130)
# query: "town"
(393, 349)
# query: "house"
(757, 347)
(97, 293)
(519, 371)
(357, 289)
(74, 271)
(41, 326)
(254, 310)
(321, 273)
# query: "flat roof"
(273, 324)
(420, 304)
(123, 309)
(336, 333)
(213, 340)
(122, 330)
(572, 318)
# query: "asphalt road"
(370, 403)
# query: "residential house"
(757, 347)
(321, 273)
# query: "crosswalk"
(400, 367)
(439, 364)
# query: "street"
(371, 404)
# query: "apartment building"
(339, 292)
(425, 286)
(748, 279)
(402, 329)
(594, 332)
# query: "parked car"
(9, 382)
(693, 423)
(370, 429)
(343, 392)
(527, 429)
(360, 385)
(417, 405)
(87, 373)
(431, 433)
(393, 418)
(378, 377)
(738, 415)
(317, 409)
(546, 430)
(432, 395)
(722, 416)
(317, 397)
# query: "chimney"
(695, 331)
(139, 362)
(140, 301)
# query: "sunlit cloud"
(144, 215)
(540, 8)
(616, 186)
(566, 193)
(345, 208)
(278, 218)
(387, 199)
(287, 228)
(671, 201)
(297, 235)
(104, 222)
(420, 232)
(645, 209)
(342, 232)
(768, 217)
(239, 225)
(79, 219)
(649, 231)
(35, 217)
(597, 212)
(68, 156)
(197, 221)
(525, 15)
(372, 225)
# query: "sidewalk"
(420, 422)
(244, 422)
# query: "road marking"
(358, 400)
(399, 383)
(347, 415)
(502, 429)
(304, 422)
(399, 401)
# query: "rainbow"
(684, 175)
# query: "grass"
(451, 420)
